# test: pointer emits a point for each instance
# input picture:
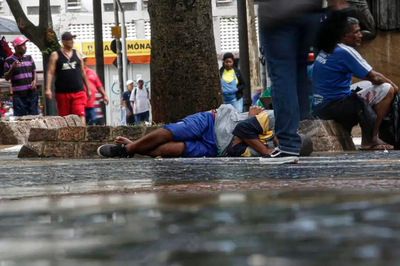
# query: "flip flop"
(377, 147)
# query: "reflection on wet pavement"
(340, 209)
(254, 228)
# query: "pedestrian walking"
(232, 82)
(68, 67)
(140, 102)
(21, 70)
(289, 29)
(95, 86)
(130, 117)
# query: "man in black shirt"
(67, 64)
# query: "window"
(145, 5)
(55, 9)
(126, 6)
(224, 3)
(1, 6)
(129, 6)
(74, 4)
(34, 10)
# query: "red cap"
(19, 40)
(311, 57)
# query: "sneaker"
(279, 157)
(110, 151)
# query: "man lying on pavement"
(205, 134)
(335, 99)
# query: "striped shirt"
(22, 76)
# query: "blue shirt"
(125, 97)
(332, 73)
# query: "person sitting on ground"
(206, 134)
(335, 99)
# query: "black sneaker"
(280, 157)
(111, 151)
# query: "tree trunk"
(51, 106)
(254, 56)
(184, 68)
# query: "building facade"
(76, 16)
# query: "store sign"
(134, 48)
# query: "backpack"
(389, 130)
(134, 94)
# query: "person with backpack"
(140, 102)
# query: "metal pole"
(119, 55)
(244, 63)
(125, 55)
(98, 44)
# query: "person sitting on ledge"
(205, 134)
(336, 99)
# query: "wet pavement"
(330, 209)
(271, 228)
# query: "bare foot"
(255, 110)
(376, 144)
(122, 140)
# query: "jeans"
(237, 104)
(142, 117)
(90, 116)
(26, 105)
(286, 48)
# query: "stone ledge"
(18, 132)
(76, 142)
(326, 136)
(82, 142)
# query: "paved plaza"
(330, 209)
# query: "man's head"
(228, 61)
(129, 85)
(140, 83)
(68, 40)
(352, 35)
(19, 44)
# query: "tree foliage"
(42, 35)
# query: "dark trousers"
(90, 116)
(349, 111)
(286, 48)
(27, 105)
(142, 117)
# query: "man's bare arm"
(377, 78)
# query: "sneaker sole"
(280, 160)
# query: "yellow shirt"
(229, 75)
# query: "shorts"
(373, 94)
(242, 150)
(71, 103)
(248, 129)
(197, 131)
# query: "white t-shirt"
(141, 99)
